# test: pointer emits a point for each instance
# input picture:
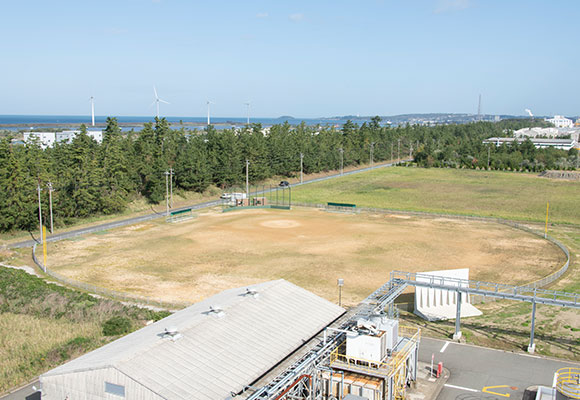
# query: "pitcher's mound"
(280, 223)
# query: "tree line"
(91, 178)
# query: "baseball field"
(194, 259)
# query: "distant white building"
(554, 133)
(560, 121)
(48, 139)
(45, 139)
(562, 144)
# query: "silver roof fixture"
(217, 311)
(172, 333)
(252, 292)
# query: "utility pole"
(371, 156)
(392, 145)
(247, 180)
(341, 160)
(167, 193)
(488, 154)
(40, 212)
(301, 167)
(171, 187)
(398, 149)
(50, 190)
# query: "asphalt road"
(474, 368)
(129, 221)
(23, 393)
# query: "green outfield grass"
(510, 195)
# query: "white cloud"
(296, 17)
(262, 15)
(452, 5)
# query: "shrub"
(116, 326)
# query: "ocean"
(26, 122)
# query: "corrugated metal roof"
(215, 355)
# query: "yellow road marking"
(486, 390)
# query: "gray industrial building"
(210, 350)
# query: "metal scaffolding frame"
(291, 382)
(488, 289)
(317, 359)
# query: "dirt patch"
(198, 258)
(281, 223)
(566, 175)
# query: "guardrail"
(113, 294)
(542, 282)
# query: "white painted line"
(444, 347)
(460, 388)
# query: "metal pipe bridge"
(385, 297)
(487, 289)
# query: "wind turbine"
(92, 100)
(158, 100)
(208, 119)
(248, 105)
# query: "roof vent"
(172, 333)
(252, 292)
(217, 311)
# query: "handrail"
(389, 367)
(568, 382)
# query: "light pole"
(340, 283)
(40, 212)
(247, 180)
(50, 190)
(301, 167)
(398, 149)
(167, 193)
(488, 154)
(171, 187)
(371, 155)
(392, 145)
(341, 160)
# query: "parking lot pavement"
(482, 373)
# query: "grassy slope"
(498, 194)
(43, 325)
(507, 195)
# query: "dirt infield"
(312, 248)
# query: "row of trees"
(91, 178)
(461, 146)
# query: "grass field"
(311, 248)
(507, 195)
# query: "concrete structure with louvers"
(210, 350)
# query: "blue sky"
(300, 58)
